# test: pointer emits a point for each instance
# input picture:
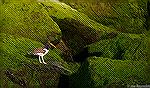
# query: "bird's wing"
(38, 50)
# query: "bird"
(41, 52)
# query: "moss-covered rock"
(123, 47)
(14, 50)
(122, 15)
(55, 8)
(77, 29)
(24, 26)
(124, 61)
(26, 70)
(33, 20)
(29, 20)
(76, 34)
(117, 73)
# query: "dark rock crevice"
(147, 17)
(82, 78)
(119, 54)
(75, 34)
(84, 54)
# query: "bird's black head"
(47, 46)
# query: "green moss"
(123, 47)
(55, 8)
(124, 61)
(29, 20)
(106, 72)
(33, 20)
(14, 56)
(122, 15)
(17, 1)
(25, 26)
(15, 49)
(77, 28)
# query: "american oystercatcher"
(42, 51)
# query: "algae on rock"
(25, 26)
(29, 20)
(126, 15)
(15, 60)
(123, 47)
(77, 29)
(117, 73)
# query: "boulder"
(20, 69)
(28, 20)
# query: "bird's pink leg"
(43, 60)
(40, 60)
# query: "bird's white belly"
(40, 54)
